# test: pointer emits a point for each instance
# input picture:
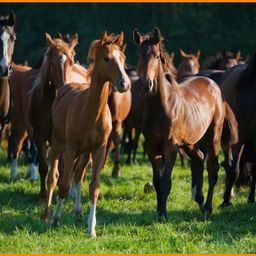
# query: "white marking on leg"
(33, 175)
(14, 167)
(194, 192)
(78, 204)
(92, 221)
(57, 210)
(232, 192)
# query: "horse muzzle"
(122, 85)
(5, 71)
(147, 85)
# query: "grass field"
(126, 218)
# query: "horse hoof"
(92, 233)
(251, 200)
(55, 223)
(207, 210)
(149, 188)
(115, 174)
(226, 204)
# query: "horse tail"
(229, 135)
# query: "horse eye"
(106, 59)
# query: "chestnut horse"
(7, 39)
(189, 66)
(119, 105)
(22, 81)
(177, 116)
(57, 69)
(82, 125)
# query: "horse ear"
(183, 54)
(198, 54)
(12, 18)
(137, 37)
(238, 55)
(172, 56)
(103, 38)
(59, 35)
(49, 40)
(73, 41)
(120, 39)
(123, 48)
(157, 36)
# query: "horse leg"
(107, 151)
(129, 145)
(94, 187)
(79, 173)
(136, 144)
(197, 170)
(170, 154)
(231, 164)
(34, 155)
(251, 198)
(116, 140)
(19, 138)
(64, 185)
(53, 176)
(43, 167)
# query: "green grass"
(126, 218)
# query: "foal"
(82, 125)
(177, 116)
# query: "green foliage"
(211, 27)
(126, 218)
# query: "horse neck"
(98, 96)
(167, 91)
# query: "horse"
(57, 69)
(178, 116)
(134, 119)
(239, 89)
(189, 66)
(82, 125)
(222, 61)
(7, 39)
(119, 105)
(22, 81)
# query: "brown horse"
(177, 116)
(7, 39)
(22, 81)
(82, 124)
(119, 105)
(189, 66)
(57, 69)
(222, 61)
(238, 87)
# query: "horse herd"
(80, 111)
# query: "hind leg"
(136, 144)
(19, 138)
(251, 198)
(43, 167)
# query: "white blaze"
(5, 59)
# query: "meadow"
(126, 217)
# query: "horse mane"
(213, 62)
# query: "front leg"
(94, 189)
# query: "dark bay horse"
(82, 125)
(177, 116)
(7, 41)
(57, 69)
(238, 87)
